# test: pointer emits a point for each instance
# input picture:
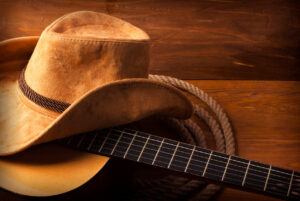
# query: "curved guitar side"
(48, 170)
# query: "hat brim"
(117, 103)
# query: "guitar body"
(48, 169)
(52, 169)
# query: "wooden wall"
(192, 39)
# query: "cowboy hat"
(87, 71)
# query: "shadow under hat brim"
(22, 125)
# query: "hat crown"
(84, 50)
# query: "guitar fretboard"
(145, 148)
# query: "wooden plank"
(265, 118)
(266, 121)
(210, 39)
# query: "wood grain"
(265, 118)
(209, 39)
(266, 121)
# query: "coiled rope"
(177, 188)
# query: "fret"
(143, 148)
(157, 151)
(69, 140)
(105, 139)
(136, 146)
(226, 168)
(216, 166)
(110, 142)
(85, 140)
(188, 163)
(98, 141)
(198, 161)
(112, 151)
(123, 143)
(265, 187)
(80, 140)
(290, 185)
(151, 149)
(207, 163)
(73, 140)
(244, 179)
(257, 175)
(173, 155)
(236, 169)
(181, 157)
(279, 181)
(295, 189)
(92, 141)
(124, 156)
(165, 153)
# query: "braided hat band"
(48, 103)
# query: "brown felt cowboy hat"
(87, 71)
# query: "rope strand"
(193, 134)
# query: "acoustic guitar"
(201, 163)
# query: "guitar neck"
(215, 166)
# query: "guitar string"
(283, 191)
(192, 159)
(253, 184)
(288, 178)
(218, 171)
(264, 178)
(246, 163)
(217, 161)
(232, 179)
